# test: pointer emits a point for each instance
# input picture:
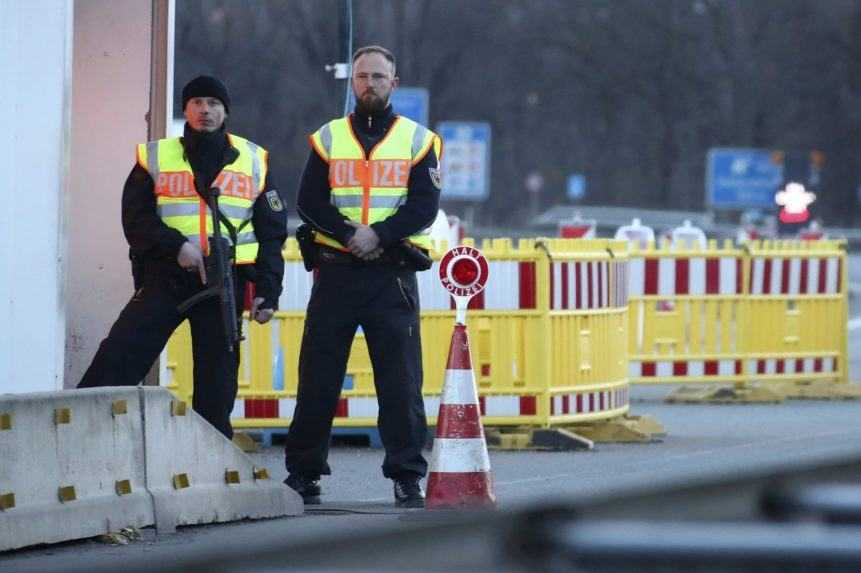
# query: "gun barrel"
(221, 253)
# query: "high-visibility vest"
(368, 189)
(181, 208)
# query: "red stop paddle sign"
(463, 271)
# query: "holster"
(307, 246)
(414, 257)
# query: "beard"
(371, 103)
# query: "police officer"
(369, 190)
(167, 225)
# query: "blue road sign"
(412, 103)
(742, 178)
(465, 160)
(576, 187)
(409, 102)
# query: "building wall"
(35, 92)
(111, 90)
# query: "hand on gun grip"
(191, 258)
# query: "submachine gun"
(219, 275)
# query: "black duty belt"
(330, 256)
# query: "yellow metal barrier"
(548, 340)
(773, 311)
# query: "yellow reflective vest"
(368, 189)
(181, 208)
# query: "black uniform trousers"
(383, 300)
(143, 329)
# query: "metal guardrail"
(611, 218)
(617, 216)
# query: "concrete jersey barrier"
(71, 466)
(80, 463)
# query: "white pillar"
(35, 90)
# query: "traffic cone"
(460, 468)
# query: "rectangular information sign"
(742, 178)
(465, 160)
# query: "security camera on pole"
(460, 467)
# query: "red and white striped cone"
(460, 468)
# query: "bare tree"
(630, 93)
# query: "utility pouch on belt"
(415, 258)
(307, 246)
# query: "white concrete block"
(90, 446)
(124, 457)
(186, 445)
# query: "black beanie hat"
(205, 86)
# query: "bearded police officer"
(167, 225)
(369, 190)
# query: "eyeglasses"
(375, 78)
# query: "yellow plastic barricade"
(547, 335)
(684, 312)
(773, 311)
(796, 311)
(586, 339)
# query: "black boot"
(307, 487)
(408, 492)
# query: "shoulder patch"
(274, 201)
(435, 177)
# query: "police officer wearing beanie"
(162, 221)
(370, 190)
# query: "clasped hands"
(364, 244)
